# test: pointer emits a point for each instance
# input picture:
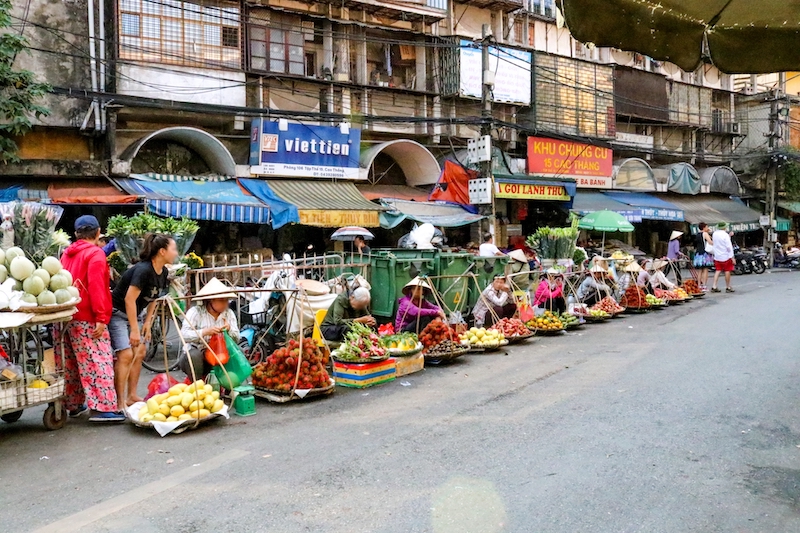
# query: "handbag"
(709, 247)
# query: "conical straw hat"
(214, 289)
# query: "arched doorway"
(417, 163)
(180, 150)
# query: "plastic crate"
(361, 376)
(252, 319)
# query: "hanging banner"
(337, 219)
(531, 191)
(591, 166)
(303, 151)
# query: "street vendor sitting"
(550, 292)
(629, 277)
(593, 289)
(346, 309)
(651, 277)
(497, 297)
(212, 316)
(414, 312)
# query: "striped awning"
(324, 204)
(220, 201)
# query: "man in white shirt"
(488, 248)
(723, 256)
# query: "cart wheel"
(11, 417)
(50, 420)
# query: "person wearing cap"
(723, 256)
(651, 276)
(550, 292)
(211, 317)
(87, 354)
(347, 308)
(593, 289)
(414, 311)
(488, 249)
(498, 297)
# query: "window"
(519, 29)
(277, 46)
(532, 34)
(180, 32)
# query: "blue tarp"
(649, 207)
(10, 193)
(437, 213)
(221, 201)
(283, 212)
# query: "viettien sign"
(591, 166)
(531, 191)
(303, 151)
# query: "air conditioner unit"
(733, 127)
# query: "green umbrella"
(738, 36)
(604, 221)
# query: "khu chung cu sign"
(326, 152)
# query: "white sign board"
(512, 73)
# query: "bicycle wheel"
(162, 347)
(262, 348)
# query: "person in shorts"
(134, 296)
(723, 256)
(703, 260)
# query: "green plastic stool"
(244, 404)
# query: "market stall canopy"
(587, 201)
(417, 162)
(436, 213)
(740, 36)
(453, 185)
(648, 206)
(792, 207)
(605, 221)
(722, 180)
(713, 209)
(198, 199)
(633, 173)
(88, 192)
(683, 178)
(403, 192)
(323, 204)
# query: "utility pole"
(771, 177)
(486, 112)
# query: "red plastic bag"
(218, 354)
(526, 312)
(159, 385)
(386, 329)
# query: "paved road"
(683, 420)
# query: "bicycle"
(163, 351)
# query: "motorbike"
(747, 262)
(781, 259)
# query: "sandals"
(729, 289)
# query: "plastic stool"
(244, 403)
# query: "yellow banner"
(337, 219)
(529, 191)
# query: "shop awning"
(324, 204)
(220, 201)
(713, 209)
(402, 192)
(792, 207)
(649, 207)
(586, 202)
(527, 187)
(436, 213)
(88, 192)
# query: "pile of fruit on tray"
(635, 298)
(440, 342)
(655, 301)
(482, 338)
(609, 305)
(182, 402)
(675, 295)
(513, 329)
(279, 372)
(691, 287)
(401, 344)
(360, 345)
(546, 323)
(570, 321)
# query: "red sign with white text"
(590, 165)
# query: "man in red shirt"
(88, 358)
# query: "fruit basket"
(477, 347)
(401, 344)
(278, 396)
(336, 355)
(444, 352)
(395, 352)
(571, 321)
(546, 324)
(515, 339)
(596, 317)
(182, 408)
(514, 330)
(482, 339)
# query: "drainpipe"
(93, 66)
(102, 60)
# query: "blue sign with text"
(304, 151)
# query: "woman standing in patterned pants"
(88, 358)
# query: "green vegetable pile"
(554, 243)
(129, 232)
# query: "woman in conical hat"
(211, 316)
(593, 289)
(651, 277)
(550, 292)
(414, 311)
(630, 272)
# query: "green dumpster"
(455, 291)
(390, 273)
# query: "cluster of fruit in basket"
(182, 402)
(489, 338)
(635, 298)
(280, 371)
(511, 327)
(435, 334)
(608, 305)
(675, 294)
(691, 287)
(546, 322)
(569, 320)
